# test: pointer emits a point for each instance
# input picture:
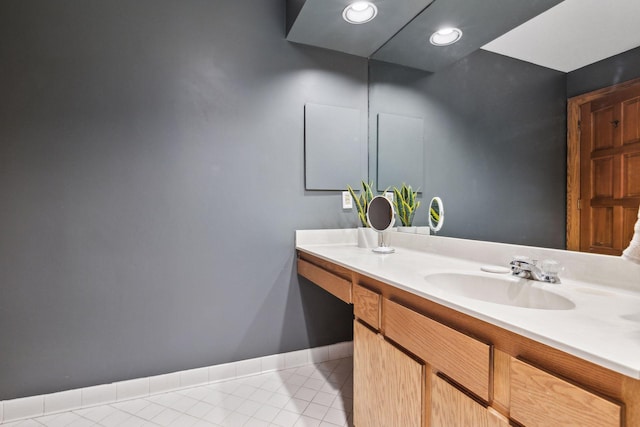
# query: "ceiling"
(562, 35)
(480, 21)
(319, 23)
(573, 34)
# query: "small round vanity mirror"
(436, 214)
(381, 218)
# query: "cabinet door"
(464, 359)
(450, 407)
(387, 384)
(539, 399)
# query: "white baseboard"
(45, 404)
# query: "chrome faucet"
(527, 268)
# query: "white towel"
(632, 253)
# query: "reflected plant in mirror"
(362, 201)
(405, 202)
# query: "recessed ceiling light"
(359, 12)
(445, 36)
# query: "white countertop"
(603, 327)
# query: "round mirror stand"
(382, 246)
(381, 216)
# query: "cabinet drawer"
(331, 283)
(366, 306)
(450, 407)
(465, 360)
(541, 399)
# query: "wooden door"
(387, 384)
(609, 171)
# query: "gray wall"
(151, 169)
(608, 72)
(495, 138)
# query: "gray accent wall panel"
(335, 150)
(151, 169)
(495, 147)
(400, 151)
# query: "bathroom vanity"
(432, 349)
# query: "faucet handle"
(519, 264)
(550, 266)
(521, 259)
(550, 270)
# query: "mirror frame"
(382, 246)
(433, 224)
(392, 219)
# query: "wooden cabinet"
(446, 351)
(539, 399)
(418, 363)
(387, 383)
(330, 282)
(366, 306)
(451, 407)
(462, 358)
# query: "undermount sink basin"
(504, 290)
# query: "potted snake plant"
(405, 202)
(362, 201)
(367, 237)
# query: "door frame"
(573, 156)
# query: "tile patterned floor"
(316, 395)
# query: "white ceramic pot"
(412, 229)
(367, 238)
(423, 230)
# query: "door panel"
(602, 177)
(602, 129)
(630, 122)
(630, 216)
(610, 171)
(631, 175)
(602, 229)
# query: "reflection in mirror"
(495, 133)
(436, 214)
(380, 216)
(400, 150)
(632, 252)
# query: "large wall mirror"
(493, 111)
(495, 126)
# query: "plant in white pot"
(405, 202)
(367, 237)
(362, 201)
